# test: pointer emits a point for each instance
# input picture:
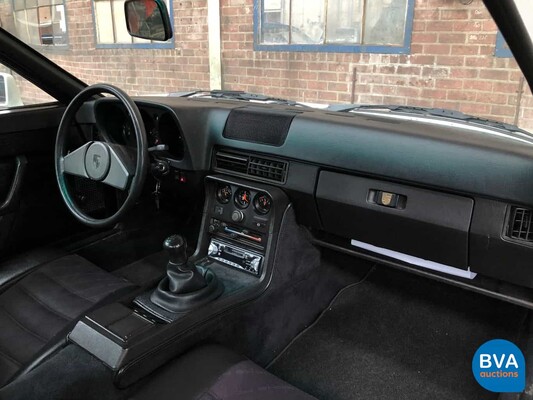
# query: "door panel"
(32, 212)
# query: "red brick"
(497, 75)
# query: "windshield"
(428, 54)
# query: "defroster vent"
(520, 224)
(252, 166)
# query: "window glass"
(385, 22)
(344, 21)
(16, 91)
(104, 22)
(307, 22)
(40, 23)
(276, 23)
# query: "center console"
(236, 248)
(239, 221)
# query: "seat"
(212, 372)
(37, 311)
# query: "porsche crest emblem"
(386, 198)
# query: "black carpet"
(398, 336)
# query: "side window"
(41, 22)
(338, 26)
(15, 91)
(111, 31)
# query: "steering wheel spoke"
(121, 167)
(118, 166)
(74, 162)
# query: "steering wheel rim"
(136, 177)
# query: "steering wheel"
(118, 166)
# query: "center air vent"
(520, 224)
(231, 162)
(252, 166)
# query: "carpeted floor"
(397, 336)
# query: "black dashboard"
(162, 127)
(451, 195)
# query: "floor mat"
(399, 336)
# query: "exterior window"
(15, 91)
(502, 49)
(375, 26)
(41, 22)
(111, 30)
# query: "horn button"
(97, 161)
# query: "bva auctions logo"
(499, 366)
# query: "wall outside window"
(345, 26)
(451, 63)
(41, 22)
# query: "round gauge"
(262, 203)
(128, 133)
(242, 198)
(224, 194)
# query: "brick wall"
(138, 71)
(451, 65)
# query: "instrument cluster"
(242, 198)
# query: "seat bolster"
(248, 381)
(37, 311)
(213, 372)
(188, 376)
(13, 269)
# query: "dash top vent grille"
(258, 125)
(520, 221)
(252, 166)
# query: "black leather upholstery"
(35, 311)
(17, 267)
(215, 373)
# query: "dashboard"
(161, 125)
(455, 199)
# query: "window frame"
(56, 48)
(154, 45)
(500, 50)
(333, 48)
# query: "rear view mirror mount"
(148, 19)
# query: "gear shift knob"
(176, 247)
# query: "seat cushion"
(215, 373)
(35, 311)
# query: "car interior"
(203, 248)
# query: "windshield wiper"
(438, 112)
(238, 95)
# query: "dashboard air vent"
(252, 166)
(232, 162)
(268, 169)
(520, 222)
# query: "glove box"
(426, 224)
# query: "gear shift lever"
(182, 277)
(186, 286)
(176, 247)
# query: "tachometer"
(242, 198)
(224, 194)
